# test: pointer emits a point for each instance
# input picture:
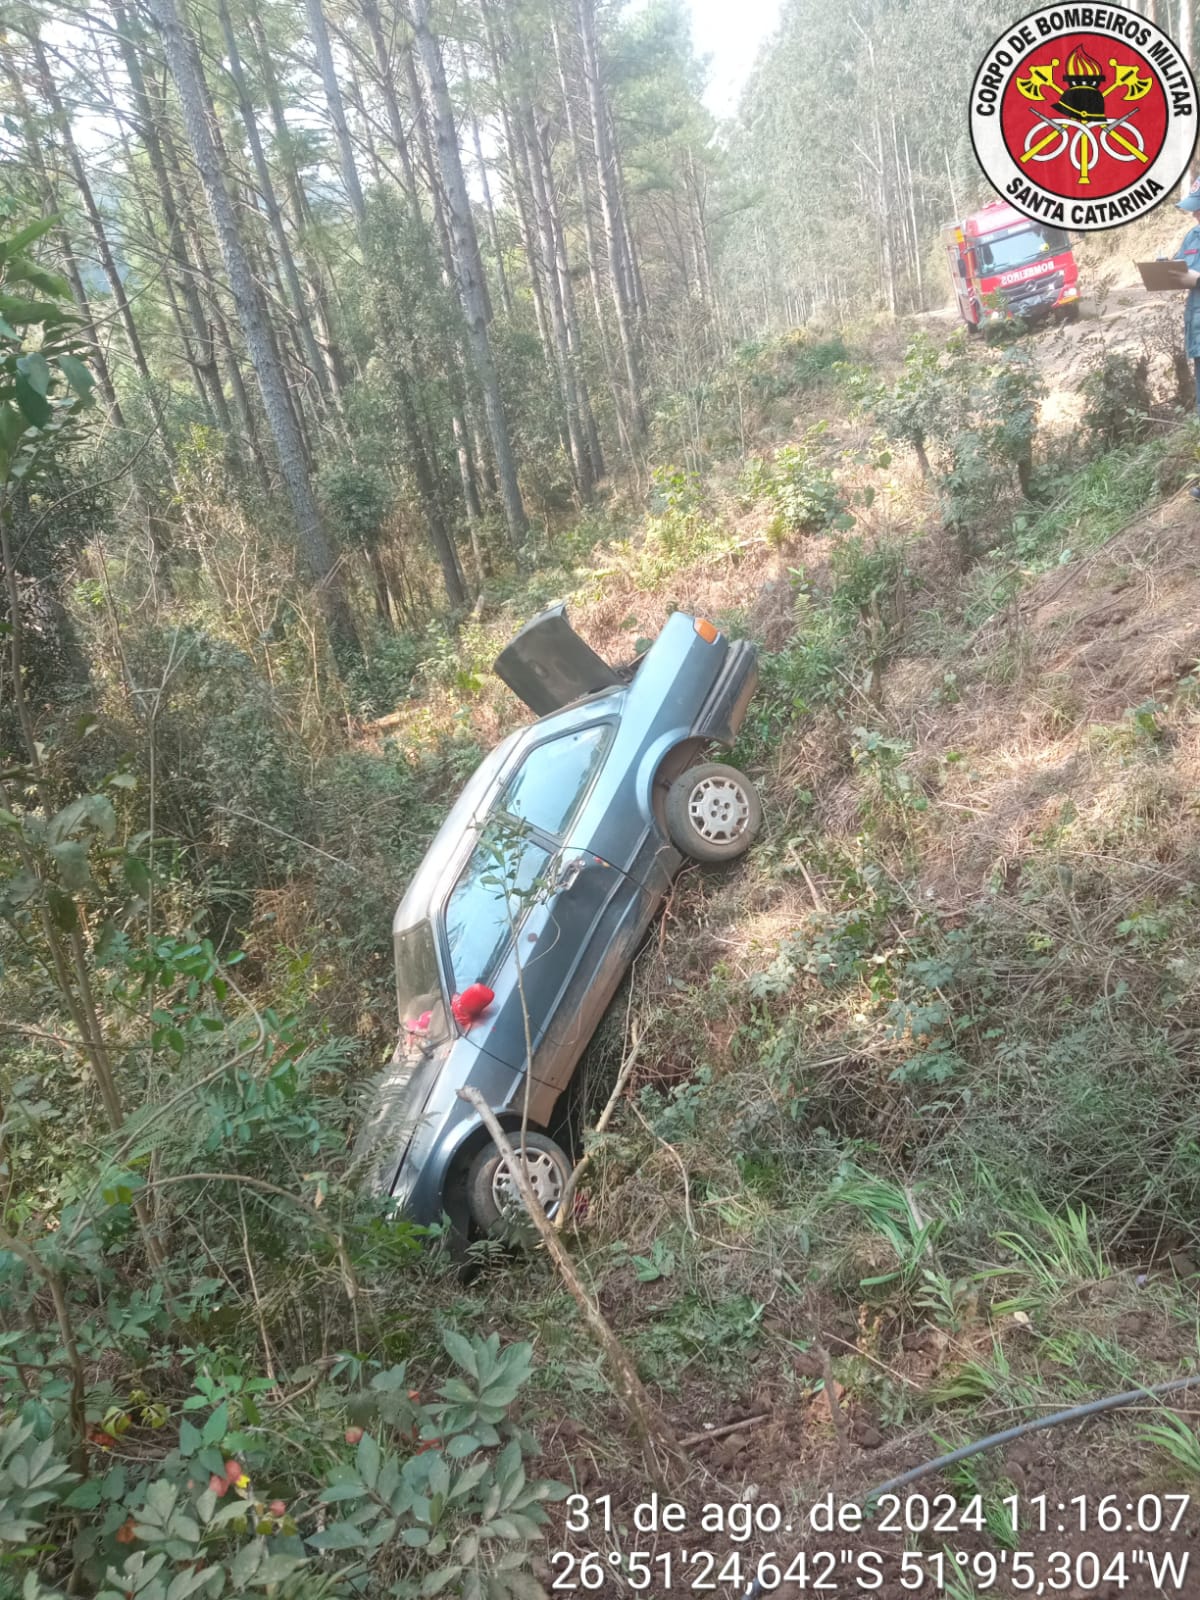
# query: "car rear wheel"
(492, 1192)
(713, 812)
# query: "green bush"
(424, 1498)
(799, 484)
(805, 493)
(1116, 395)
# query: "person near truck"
(1186, 261)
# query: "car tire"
(713, 812)
(492, 1195)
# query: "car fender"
(456, 1125)
(651, 765)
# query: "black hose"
(1089, 1409)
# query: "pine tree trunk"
(466, 253)
(519, 190)
(387, 88)
(108, 263)
(203, 356)
(334, 363)
(224, 353)
(581, 465)
(313, 545)
(609, 211)
(583, 191)
(632, 262)
(266, 188)
(460, 362)
(566, 290)
(916, 232)
(151, 223)
(489, 206)
(336, 108)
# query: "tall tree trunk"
(419, 458)
(385, 78)
(334, 363)
(461, 358)
(629, 254)
(336, 107)
(266, 188)
(466, 253)
(152, 225)
(203, 356)
(610, 211)
(224, 353)
(581, 464)
(313, 544)
(62, 125)
(916, 232)
(575, 348)
(560, 266)
(519, 188)
(583, 190)
(489, 205)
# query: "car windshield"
(1019, 249)
(423, 1023)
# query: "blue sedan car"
(531, 902)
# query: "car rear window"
(488, 902)
(553, 778)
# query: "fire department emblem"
(1084, 116)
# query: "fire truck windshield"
(1002, 252)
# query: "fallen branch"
(648, 1421)
(694, 1439)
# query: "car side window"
(551, 781)
(488, 902)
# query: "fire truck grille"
(1039, 294)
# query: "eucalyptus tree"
(186, 71)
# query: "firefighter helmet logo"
(1084, 116)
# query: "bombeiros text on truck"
(1004, 265)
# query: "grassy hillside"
(911, 1121)
(914, 1092)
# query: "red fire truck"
(1003, 265)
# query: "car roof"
(470, 807)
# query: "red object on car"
(470, 1005)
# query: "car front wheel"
(492, 1192)
(713, 812)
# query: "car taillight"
(707, 630)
